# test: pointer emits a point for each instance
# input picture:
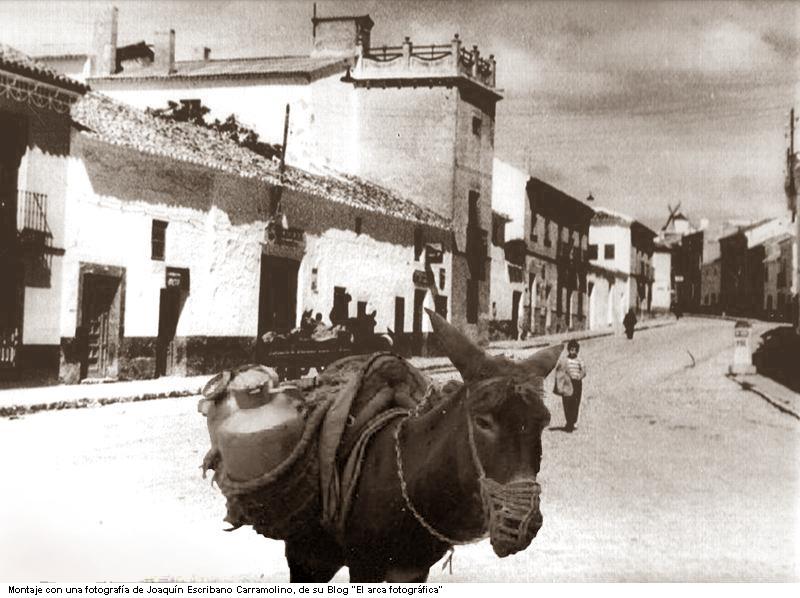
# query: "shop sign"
(275, 234)
(434, 253)
(177, 278)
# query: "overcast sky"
(641, 103)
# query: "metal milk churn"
(742, 351)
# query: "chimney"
(104, 44)
(164, 50)
(340, 36)
(202, 53)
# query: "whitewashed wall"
(662, 284)
(509, 197)
(501, 292)
(620, 236)
(42, 172)
(371, 270)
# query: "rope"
(404, 487)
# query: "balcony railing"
(32, 211)
(429, 60)
(32, 223)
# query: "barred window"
(158, 240)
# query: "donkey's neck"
(440, 473)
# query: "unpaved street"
(674, 474)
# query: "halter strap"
(404, 488)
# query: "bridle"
(509, 508)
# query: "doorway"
(416, 323)
(100, 325)
(515, 297)
(169, 311)
(277, 300)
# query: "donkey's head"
(506, 414)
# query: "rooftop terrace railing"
(408, 60)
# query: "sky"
(644, 104)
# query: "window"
(419, 243)
(472, 301)
(534, 235)
(314, 273)
(476, 125)
(358, 225)
(713, 298)
(592, 253)
(441, 279)
(547, 242)
(608, 251)
(158, 240)
(498, 232)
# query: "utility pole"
(791, 159)
(275, 203)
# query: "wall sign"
(434, 253)
(275, 234)
(421, 277)
(177, 278)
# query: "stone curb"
(777, 403)
(13, 411)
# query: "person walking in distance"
(574, 367)
(629, 323)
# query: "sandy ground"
(674, 474)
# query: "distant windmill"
(673, 212)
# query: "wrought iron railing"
(9, 341)
(32, 212)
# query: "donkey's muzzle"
(513, 513)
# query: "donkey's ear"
(462, 352)
(542, 362)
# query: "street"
(674, 474)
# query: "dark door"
(440, 302)
(11, 272)
(277, 307)
(98, 299)
(399, 315)
(169, 312)
(419, 299)
(515, 297)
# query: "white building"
(623, 246)
(663, 294)
(418, 120)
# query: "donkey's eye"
(484, 423)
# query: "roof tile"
(18, 62)
(119, 124)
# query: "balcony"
(33, 230)
(430, 61)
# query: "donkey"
(448, 475)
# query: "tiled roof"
(119, 124)
(606, 216)
(16, 62)
(235, 67)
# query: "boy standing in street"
(576, 371)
